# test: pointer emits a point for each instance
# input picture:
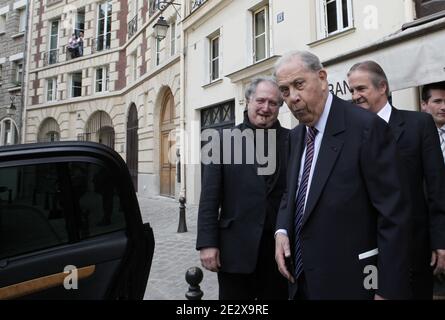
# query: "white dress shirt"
(385, 112)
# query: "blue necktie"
(301, 199)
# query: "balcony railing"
(51, 57)
(196, 4)
(132, 26)
(101, 43)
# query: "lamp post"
(12, 108)
(160, 27)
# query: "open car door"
(70, 224)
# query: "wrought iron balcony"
(101, 43)
(196, 4)
(132, 26)
(51, 57)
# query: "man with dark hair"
(433, 102)
(238, 205)
(418, 146)
(344, 211)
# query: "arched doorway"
(49, 131)
(168, 149)
(132, 144)
(100, 129)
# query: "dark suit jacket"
(419, 147)
(356, 203)
(235, 207)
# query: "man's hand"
(282, 251)
(378, 297)
(210, 259)
(438, 260)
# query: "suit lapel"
(297, 147)
(330, 149)
(396, 123)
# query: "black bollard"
(194, 276)
(182, 227)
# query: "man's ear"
(322, 74)
(423, 106)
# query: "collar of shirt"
(385, 112)
(321, 123)
(442, 129)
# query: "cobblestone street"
(174, 252)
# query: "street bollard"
(182, 227)
(194, 276)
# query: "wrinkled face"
(305, 91)
(263, 106)
(436, 106)
(364, 93)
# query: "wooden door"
(168, 147)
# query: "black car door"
(70, 224)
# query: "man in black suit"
(348, 236)
(418, 145)
(240, 199)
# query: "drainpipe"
(24, 91)
(182, 110)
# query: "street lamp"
(160, 27)
(12, 108)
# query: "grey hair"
(376, 72)
(310, 60)
(251, 88)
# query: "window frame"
(323, 23)
(12, 129)
(18, 72)
(212, 59)
(53, 81)
(22, 19)
(72, 84)
(105, 45)
(266, 33)
(105, 81)
(50, 35)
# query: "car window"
(46, 205)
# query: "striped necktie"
(301, 199)
(442, 141)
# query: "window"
(2, 23)
(49, 131)
(51, 89)
(173, 38)
(102, 79)
(80, 21)
(76, 84)
(47, 205)
(53, 42)
(18, 73)
(214, 58)
(260, 34)
(8, 132)
(335, 16)
(103, 40)
(22, 22)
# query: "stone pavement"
(174, 252)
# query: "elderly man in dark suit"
(240, 199)
(419, 147)
(343, 216)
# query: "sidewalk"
(174, 252)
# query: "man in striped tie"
(433, 102)
(343, 222)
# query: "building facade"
(151, 97)
(122, 90)
(229, 42)
(13, 19)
